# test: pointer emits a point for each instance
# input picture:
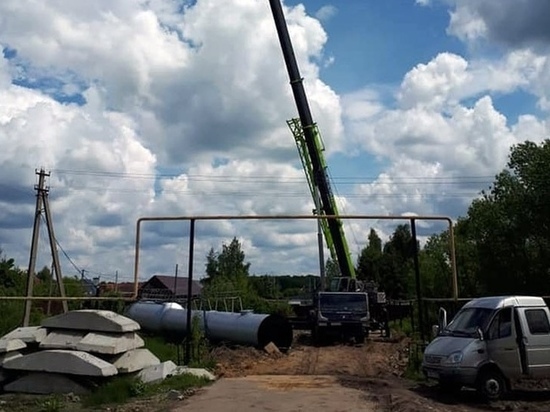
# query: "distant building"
(89, 287)
(124, 289)
(168, 288)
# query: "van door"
(502, 343)
(536, 339)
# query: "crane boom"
(317, 173)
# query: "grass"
(161, 349)
(413, 371)
(50, 404)
(200, 351)
(122, 389)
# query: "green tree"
(332, 269)
(510, 224)
(11, 277)
(44, 274)
(370, 258)
(227, 270)
(396, 264)
(435, 266)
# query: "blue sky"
(418, 103)
(376, 42)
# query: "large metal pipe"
(245, 328)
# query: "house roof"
(167, 282)
(124, 288)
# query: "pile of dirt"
(376, 368)
(380, 357)
(238, 361)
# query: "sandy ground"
(278, 393)
(336, 378)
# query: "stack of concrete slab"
(73, 352)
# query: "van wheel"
(491, 384)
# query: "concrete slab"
(92, 320)
(198, 372)
(110, 343)
(62, 361)
(10, 345)
(62, 339)
(157, 373)
(46, 383)
(4, 357)
(28, 334)
(135, 360)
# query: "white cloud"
(441, 153)
(163, 91)
(512, 23)
(466, 23)
(186, 117)
(326, 12)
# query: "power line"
(462, 179)
(65, 253)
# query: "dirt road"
(335, 378)
(278, 393)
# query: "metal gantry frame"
(193, 219)
(192, 222)
(251, 217)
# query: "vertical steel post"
(189, 328)
(417, 279)
(176, 282)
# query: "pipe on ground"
(246, 328)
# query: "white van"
(490, 343)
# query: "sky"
(178, 108)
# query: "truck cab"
(491, 343)
(342, 313)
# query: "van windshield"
(466, 322)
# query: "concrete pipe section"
(246, 328)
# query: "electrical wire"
(63, 250)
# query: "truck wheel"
(491, 384)
(317, 336)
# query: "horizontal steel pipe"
(245, 328)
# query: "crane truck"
(347, 306)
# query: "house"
(123, 289)
(89, 286)
(168, 288)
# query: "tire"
(491, 385)
(318, 336)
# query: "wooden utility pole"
(42, 205)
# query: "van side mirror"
(442, 319)
(435, 330)
(480, 334)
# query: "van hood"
(445, 345)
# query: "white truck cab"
(490, 343)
